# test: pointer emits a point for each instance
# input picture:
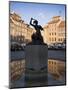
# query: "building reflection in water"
(17, 67)
(56, 71)
(56, 67)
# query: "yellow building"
(61, 32)
(19, 30)
(54, 31)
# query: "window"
(49, 62)
(59, 39)
(50, 33)
(55, 33)
(52, 62)
(55, 39)
(55, 63)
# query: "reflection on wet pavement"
(56, 74)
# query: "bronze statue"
(36, 37)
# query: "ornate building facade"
(54, 31)
(19, 30)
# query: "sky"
(42, 12)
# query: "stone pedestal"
(36, 70)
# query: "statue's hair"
(36, 22)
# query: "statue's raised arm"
(31, 22)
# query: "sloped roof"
(53, 21)
(62, 24)
(56, 16)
